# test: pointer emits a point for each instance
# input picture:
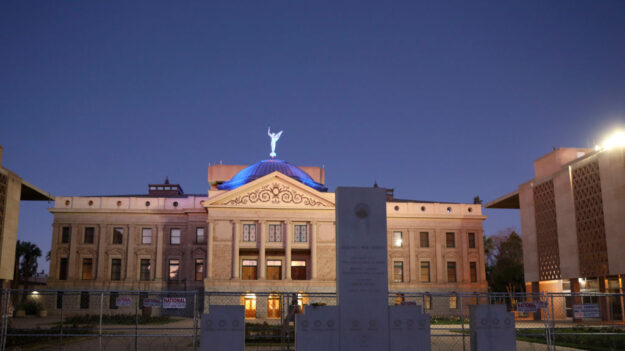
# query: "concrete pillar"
(312, 238)
(73, 260)
(236, 230)
(439, 242)
(160, 247)
(209, 263)
(464, 241)
(131, 274)
(288, 236)
(411, 235)
(261, 251)
(604, 302)
(100, 261)
(482, 258)
(576, 300)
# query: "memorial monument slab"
(492, 328)
(317, 329)
(223, 329)
(409, 328)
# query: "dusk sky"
(440, 100)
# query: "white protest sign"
(526, 307)
(123, 301)
(151, 303)
(174, 302)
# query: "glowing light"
(398, 242)
(35, 292)
(615, 140)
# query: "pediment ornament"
(275, 193)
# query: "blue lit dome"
(264, 167)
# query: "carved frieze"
(276, 193)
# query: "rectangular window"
(275, 232)
(113, 300)
(451, 272)
(174, 269)
(59, 300)
(450, 239)
(274, 270)
(473, 269)
(398, 272)
(145, 268)
(116, 269)
(300, 233)
(397, 239)
(87, 268)
(471, 240)
(146, 236)
(424, 239)
(250, 305)
(89, 234)
(199, 268)
(118, 235)
(63, 269)
(298, 270)
(84, 300)
(200, 237)
(249, 232)
(249, 270)
(453, 302)
(425, 271)
(273, 307)
(174, 236)
(65, 235)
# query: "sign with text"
(526, 307)
(174, 302)
(541, 304)
(151, 303)
(123, 301)
(590, 310)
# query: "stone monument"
(492, 328)
(223, 329)
(409, 328)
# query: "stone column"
(100, 267)
(160, 247)
(54, 257)
(312, 238)
(209, 260)
(440, 263)
(130, 253)
(262, 274)
(466, 272)
(411, 235)
(288, 237)
(74, 260)
(236, 233)
(481, 265)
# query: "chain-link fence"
(134, 320)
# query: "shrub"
(32, 307)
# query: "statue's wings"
(279, 134)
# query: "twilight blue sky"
(440, 100)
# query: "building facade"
(573, 225)
(269, 227)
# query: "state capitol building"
(268, 227)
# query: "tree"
(26, 255)
(504, 262)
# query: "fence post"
(195, 312)
(462, 323)
(4, 308)
(61, 332)
(553, 324)
(101, 312)
(137, 323)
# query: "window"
(274, 270)
(63, 269)
(116, 269)
(453, 302)
(273, 306)
(200, 237)
(425, 271)
(113, 300)
(199, 268)
(450, 239)
(118, 235)
(471, 240)
(398, 272)
(451, 272)
(275, 232)
(174, 236)
(89, 234)
(249, 270)
(144, 270)
(424, 239)
(250, 305)
(65, 235)
(397, 239)
(146, 235)
(300, 232)
(174, 269)
(249, 232)
(473, 269)
(59, 300)
(84, 300)
(87, 268)
(298, 270)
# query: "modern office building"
(573, 224)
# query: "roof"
(265, 167)
(510, 201)
(32, 193)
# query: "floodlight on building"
(617, 139)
